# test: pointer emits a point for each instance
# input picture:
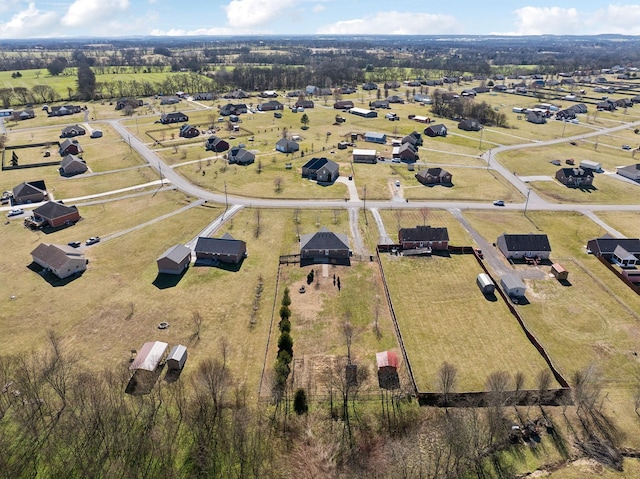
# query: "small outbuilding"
(175, 260)
(364, 156)
(590, 165)
(512, 285)
(177, 358)
(388, 363)
(374, 137)
(150, 356)
(485, 283)
(559, 272)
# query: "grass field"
(627, 222)
(444, 317)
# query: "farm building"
(150, 356)
(324, 246)
(387, 362)
(632, 171)
(284, 145)
(519, 246)
(559, 272)
(175, 260)
(217, 144)
(363, 112)
(321, 170)
(374, 137)
(512, 285)
(61, 260)
(30, 192)
(72, 165)
(364, 156)
(188, 131)
(54, 214)
(575, 177)
(177, 358)
(590, 165)
(436, 130)
(175, 117)
(434, 176)
(69, 147)
(424, 237)
(71, 131)
(226, 249)
(485, 283)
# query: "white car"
(498, 203)
(15, 212)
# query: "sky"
(122, 18)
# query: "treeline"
(465, 108)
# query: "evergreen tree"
(86, 82)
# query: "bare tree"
(399, 214)
(196, 320)
(277, 183)
(447, 379)
(424, 212)
(256, 231)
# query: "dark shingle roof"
(224, 245)
(324, 239)
(51, 209)
(527, 242)
(176, 253)
(607, 245)
(28, 188)
(423, 233)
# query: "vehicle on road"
(398, 183)
(15, 212)
(626, 147)
(74, 244)
(92, 240)
(498, 203)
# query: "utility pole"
(527, 202)
(366, 222)
(226, 199)
(481, 134)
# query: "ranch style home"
(61, 260)
(54, 214)
(424, 237)
(519, 246)
(324, 246)
(30, 192)
(226, 249)
(624, 252)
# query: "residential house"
(20, 115)
(374, 137)
(72, 165)
(304, 104)
(379, 104)
(624, 103)
(363, 112)
(500, 88)
(270, 105)
(175, 117)
(63, 261)
(217, 144)
(240, 156)
(55, 214)
(519, 246)
(536, 117)
(632, 171)
(284, 145)
(405, 152)
(414, 138)
(29, 192)
(226, 249)
(365, 156)
(233, 109)
(470, 124)
(294, 94)
(204, 96)
(369, 86)
(575, 177)
(436, 130)
(64, 110)
(70, 147)
(169, 100)
(606, 105)
(324, 247)
(236, 94)
(343, 105)
(122, 103)
(189, 131)
(71, 131)
(624, 252)
(434, 176)
(175, 260)
(268, 94)
(395, 99)
(321, 170)
(392, 85)
(424, 237)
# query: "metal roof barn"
(149, 356)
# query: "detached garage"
(512, 285)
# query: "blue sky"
(113, 18)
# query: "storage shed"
(512, 285)
(150, 356)
(592, 165)
(485, 283)
(177, 358)
(559, 272)
(388, 370)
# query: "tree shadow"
(142, 381)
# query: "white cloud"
(255, 13)
(395, 23)
(88, 12)
(8, 5)
(29, 23)
(317, 8)
(176, 32)
(621, 19)
(547, 20)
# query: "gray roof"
(423, 233)
(54, 255)
(51, 209)
(176, 253)
(224, 245)
(511, 281)
(526, 242)
(28, 188)
(607, 245)
(324, 239)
